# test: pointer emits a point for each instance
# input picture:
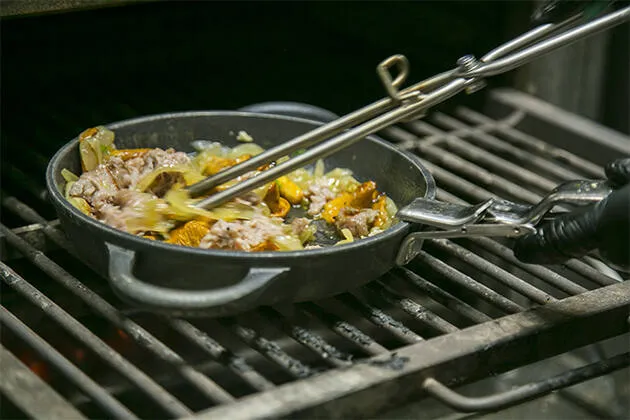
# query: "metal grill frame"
(384, 378)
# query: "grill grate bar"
(589, 272)
(461, 279)
(526, 141)
(139, 334)
(18, 384)
(483, 157)
(472, 134)
(380, 318)
(448, 300)
(269, 349)
(460, 165)
(417, 311)
(445, 179)
(309, 339)
(492, 270)
(343, 329)
(110, 356)
(543, 273)
(71, 372)
(220, 354)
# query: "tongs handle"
(491, 218)
(498, 217)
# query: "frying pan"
(189, 281)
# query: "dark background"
(64, 72)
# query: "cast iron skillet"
(197, 282)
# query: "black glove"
(554, 11)
(604, 226)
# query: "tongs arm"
(401, 105)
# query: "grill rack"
(462, 310)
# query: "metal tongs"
(411, 103)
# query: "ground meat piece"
(126, 210)
(158, 158)
(241, 234)
(357, 221)
(96, 186)
(99, 185)
(299, 224)
(318, 193)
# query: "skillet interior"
(366, 159)
(314, 273)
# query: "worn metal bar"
(33, 234)
(31, 216)
(448, 181)
(415, 310)
(446, 299)
(543, 273)
(529, 142)
(106, 353)
(586, 271)
(517, 395)
(482, 157)
(498, 145)
(380, 318)
(562, 128)
(135, 331)
(475, 352)
(220, 354)
(269, 349)
(548, 276)
(459, 165)
(73, 374)
(492, 270)
(451, 274)
(30, 393)
(344, 329)
(309, 339)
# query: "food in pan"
(142, 192)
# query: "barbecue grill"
(464, 325)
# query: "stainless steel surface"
(462, 311)
(493, 217)
(407, 104)
(517, 395)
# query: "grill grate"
(163, 367)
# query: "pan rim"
(140, 243)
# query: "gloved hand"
(604, 226)
(554, 11)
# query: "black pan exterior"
(312, 274)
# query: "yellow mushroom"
(190, 233)
(362, 197)
(126, 154)
(216, 163)
(279, 206)
(380, 205)
(290, 190)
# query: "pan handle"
(121, 277)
